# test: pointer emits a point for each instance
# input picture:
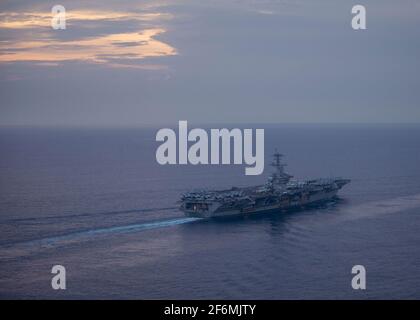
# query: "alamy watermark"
(358, 282)
(58, 282)
(220, 139)
(58, 20)
(359, 19)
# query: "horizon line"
(195, 123)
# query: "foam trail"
(91, 214)
(87, 234)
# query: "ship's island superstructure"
(279, 193)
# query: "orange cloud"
(106, 49)
(25, 20)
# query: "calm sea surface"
(96, 201)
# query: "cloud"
(29, 20)
(41, 45)
(233, 63)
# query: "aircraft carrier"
(279, 194)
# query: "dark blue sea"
(96, 201)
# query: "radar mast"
(279, 176)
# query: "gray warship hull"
(263, 209)
(215, 210)
(279, 194)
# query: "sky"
(132, 63)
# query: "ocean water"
(96, 202)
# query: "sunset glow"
(118, 49)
